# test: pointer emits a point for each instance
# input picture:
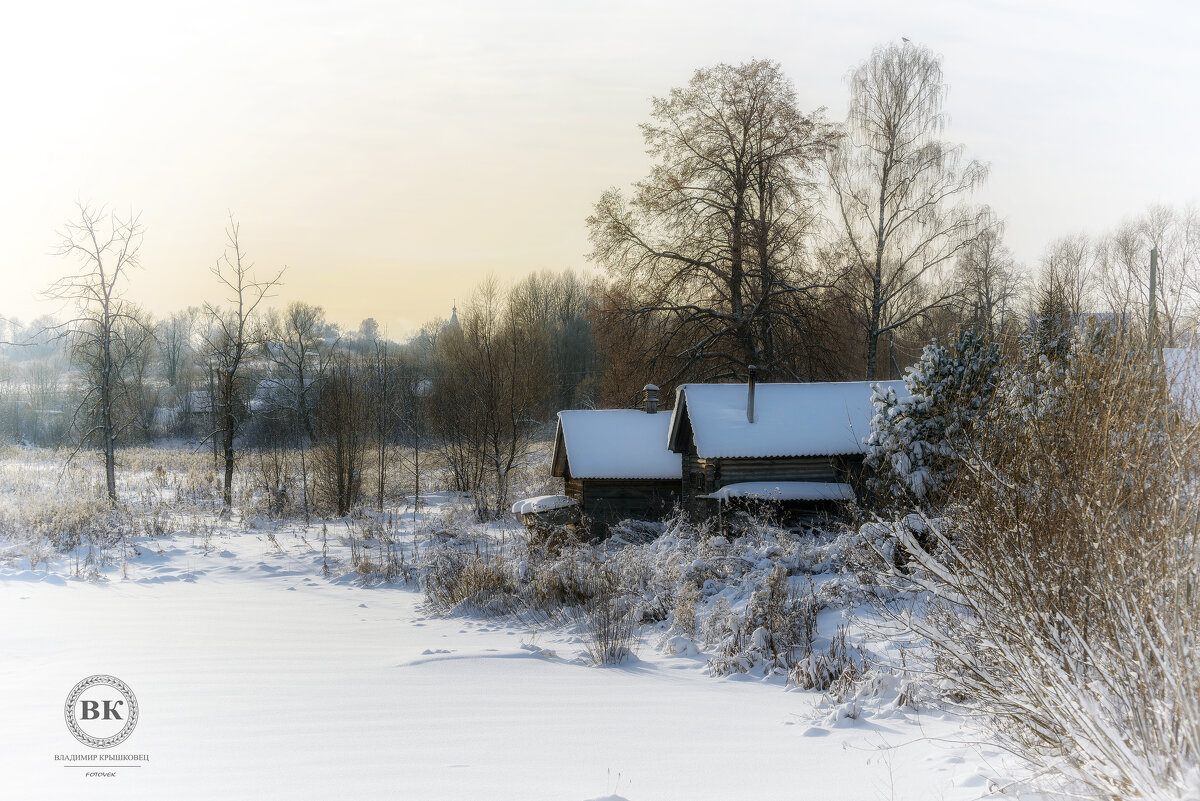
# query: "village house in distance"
(796, 446)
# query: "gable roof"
(614, 443)
(817, 419)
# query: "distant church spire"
(453, 316)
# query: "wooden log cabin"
(797, 446)
(615, 463)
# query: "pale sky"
(391, 154)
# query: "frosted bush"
(452, 577)
(776, 629)
(747, 600)
(683, 616)
(1058, 590)
(836, 670)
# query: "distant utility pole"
(1153, 321)
(1155, 341)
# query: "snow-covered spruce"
(917, 440)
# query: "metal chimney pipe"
(651, 398)
(753, 371)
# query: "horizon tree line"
(762, 235)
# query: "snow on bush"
(748, 599)
(916, 441)
(775, 630)
(1058, 590)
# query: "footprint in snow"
(429, 652)
(362, 606)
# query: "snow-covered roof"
(1183, 372)
(785, 491)
(198, 402)
(818, 419)
(615, 443)
(542, 503)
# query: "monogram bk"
(101, 711)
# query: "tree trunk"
(872, 345)
(227, 498)
(877, 276)
(106, 380)
(227, 442)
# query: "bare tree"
(714, 239)
(343, 433)
(989, 279)
(559, 305)
(413, 388)
(1069, 269)
(137, 349)
(368, 331)
(1123, 261)
(43, 389)
(489, 388)
(105, 247)
(229, 339)
(176, 337)
(900, 191)
(382, 387)
(293, 345)
(1063, 292)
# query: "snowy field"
(259, 677)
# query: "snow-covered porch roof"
(784, 491)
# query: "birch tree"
(900, 193)
(989, 280)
